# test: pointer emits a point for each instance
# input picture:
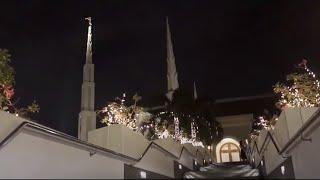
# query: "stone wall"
(291, 149)
(29, 150)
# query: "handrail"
(12, 134)
(90, 146)
(304, 127)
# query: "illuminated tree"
(301, 88)
(6, 88)
(134, 117)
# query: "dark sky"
(231, 48)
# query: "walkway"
(224, 170)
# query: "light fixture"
(143, 174)
(209, 147)
(283, 170)
(261, 163)
(195, 162)
(180, 166)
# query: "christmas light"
(304, 90)
(176, 126)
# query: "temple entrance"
(229, 152)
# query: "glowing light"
(304, 92)
(176, 126)
(283, 170)
(143, 174)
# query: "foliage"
(6, 71)
(188, 110)
(7, 90)
(301, 88)
(134, 117)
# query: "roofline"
(26, 125)
(234, 99)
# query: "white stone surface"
(236, 126)
(172, 75)
(186, 159)
(32, 155)
(190, 148)
(8, 123)
(156, 161)
(120, 139)
(304, 155)
(170, 145)
(306, 158)
(87, 116)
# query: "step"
(225, 170)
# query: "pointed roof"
(89, 43)
(195, 95)
(172, 75)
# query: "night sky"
(230, 48)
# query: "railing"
(292, 142)
(88, 146)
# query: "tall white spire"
(172, 75)
(195, 95)
(87, 116)
(89, 43)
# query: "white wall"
(8, 123)
(186, 159)
(157, 162)
(120, 139)
(305, 155)
(34, 154)
(236, 126)
(30, 155)
(170, 145)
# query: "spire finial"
(89, 20)
(195, 94)
(89, 42)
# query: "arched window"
(229, 152)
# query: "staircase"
(228, 170)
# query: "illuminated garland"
(118, 113)
(162, 131)
(303, 91)
(164, 124)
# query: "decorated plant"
(301, 88)
(7, 102)
(134, 117)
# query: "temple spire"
(195, 95)
(172, 75)
(87, 116)
(89, 43)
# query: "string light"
(163, 125)
(304, 91)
